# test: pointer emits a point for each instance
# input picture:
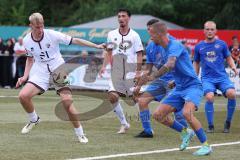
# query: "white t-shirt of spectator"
(18, 47)
(128, 44)
(46, 51)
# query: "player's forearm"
(28, 66)
(148, 69)
(231, 62)
(196, 66)
(165, 68)
(83, 42)
(139, 60)
(106, 59)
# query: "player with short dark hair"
(125, 51)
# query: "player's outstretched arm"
(28, 66)
(139, 60)
(106, 61)
(138, 84)
(139, 66)
(232, 64)
(165, 68)
(83, 42)
(148, 69)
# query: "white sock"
(79, 131)
(33, 117)
(119, 112)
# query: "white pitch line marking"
(46, 97)
(151, 152)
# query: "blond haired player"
(43, 57)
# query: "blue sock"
(177, 126)
(201, 135)
(209, 111)
(230, 109)
(145, 119)
(180, 118)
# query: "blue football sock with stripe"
(230, 109)
(180, 118)
(145, 119)
(201, 135)
(177, 126)
(209, 112)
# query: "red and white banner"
(192, 37)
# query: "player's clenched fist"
(21, 81)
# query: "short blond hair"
(36, 17)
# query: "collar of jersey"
(124, 34)
(38, 40)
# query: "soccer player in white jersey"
(43, 57)
(125, 50)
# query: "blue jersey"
(211, 57)
(155, 56)
(183, 72)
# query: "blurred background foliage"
(187, 13)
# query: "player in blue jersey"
(158, 89)
(210, 55)
(186, 95)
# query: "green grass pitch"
(54, 139)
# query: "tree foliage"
(188, 13)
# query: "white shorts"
(42, 77)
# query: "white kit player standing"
(43, 57)
(125, 50)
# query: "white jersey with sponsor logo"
(47, 56)
(128, 44)
(124, 51)
(46, 52)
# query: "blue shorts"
(158, 89)
(177, 97)
(223, 86)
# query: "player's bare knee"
(159, 116)
(188, 115)
(113, 98)
(23, 96)
(66, 98)
(231, 94)
(142, 103)
(209, 97)
(162, 119)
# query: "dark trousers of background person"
(6, 71)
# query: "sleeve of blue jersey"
(175, 49)
(148, 54)
(196, 56)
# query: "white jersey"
(46, 52)
(128, 44)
